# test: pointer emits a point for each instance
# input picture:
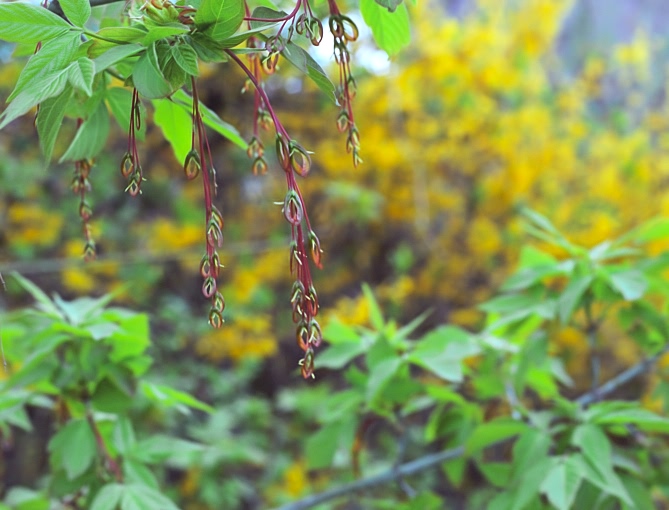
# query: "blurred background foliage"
(495, 105)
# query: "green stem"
(93, 35)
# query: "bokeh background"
(553, 104)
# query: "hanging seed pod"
(282, 152)
(315, 333)
(294, 256)
(216, 217)
(315, 249)
(218, 302)
(192, 165)
(259, 166)
(133, 187)
(85, 211)
(215, 265)
(292, 208)
(302, 336)
(214, 235)
(208, 287)
(215, 318)
(343, 121)
(336, 27)
(205, 267)
(350, 29)
(127, 165)
(300, 161)
(89, 251)
(307, 364)
(316, 29)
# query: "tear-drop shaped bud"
(208, 287)
(192, 165)
(352, 88)
(214, 235)
(270, 62)
(350, 29)
(315, 249)
(336, 27)
(356, 158)
(76, 185)
(343, 121)
(215, 318)
(259, 166)
(300, 161)
(315, 333)
(85, 211)
(127, 165)
(294, 256)
(215, 265)
(133, 187)
(301, 23)
(89, 251)
(302, 335)
(283, 152)
(307, 364)
(292, 208)
(218, 303)
(297, 292)
(254, 148)
(205, 267)
(316, 29)
(265, 120)
(311, 302)
(216, 217)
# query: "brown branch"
(112, 465)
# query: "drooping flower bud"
(192, 165)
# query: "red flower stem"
(277, 124)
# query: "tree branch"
(390, 475)
(422, 463)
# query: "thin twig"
(622, 378)
(111, 464)
(591, 330)
(428, 461)
(390, 475)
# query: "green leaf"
(571, 296)
(77, 11)
(380, 376)
(115, 55)
(642, 418)
(305, 63)
(158, 448)
(391, 5)
(91, 136)
(166, 396)
(442, 350)
(593, 443)
(147, 77)
(74, 445)
(176, 124)
(123, 436)
(142, 497)
(51, 85)
(119, 101)
(81, 74)
(185, 56)
(28, 24)
(339, 355)
(136, 472)
(391, 31)
(158, 32)
(108, 497)
(219, 19)
(54, 56)
(631, 283)
(320, 448)
(50, 120)
(375, 314)
(45, 303)
(206, 48)
(562, 483)
(492, 432)
(531, 448)
(211, 119)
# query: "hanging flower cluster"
(156, 50)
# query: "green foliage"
(88, 364)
